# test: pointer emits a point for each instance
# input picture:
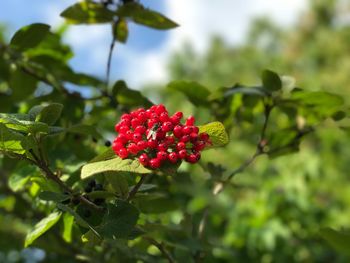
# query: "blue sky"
(143, 58)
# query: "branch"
(134, 190)
(109, 60)
(161, 248)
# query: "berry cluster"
(156, 138)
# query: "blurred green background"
(274, 210)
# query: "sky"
(144, 57)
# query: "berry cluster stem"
(134, 190)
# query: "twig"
(50, 175)
(109, 60)
(134, 190)
(161, 248)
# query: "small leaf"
(216, 132)
(41, 227)
(113, 165)
(50, 113)
(120, 30)
(146, 17)
(22, 84)
(11, 141)
(87, 12)
(119, 221)
(29, 36)
(195, 92)
(108, 154)
(340, 240)
(53, 196)
(68, 221)
(271, 80)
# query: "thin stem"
(109, 60)
(134, 190)
(161, 248)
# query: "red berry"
(140, 129)
(179, 114)
(162, 147)
(143, 159)
(193, 137)
(117, 127)
(149, 112)
(126, 116)
(162, 155)
(195, 129)
(117, 145)
(187, 129)
(204, 136)
(122, 138)
(123, 153)
(124, 129)
(167, 126)
(182, 154)
(175, 120)
(185, 138)
(152, 144)
(193, 157)
(169, 140)
(125, 122)
(160, 109)
(199, 146)
(154, 163)
(164, 117)
(160, 135)
(173, 157)
(190, 121)
(142, 116)
(137, 137)
(177, 131)
(133, 148)
(142, 145)
(135, 122)
(154, 116)
(151, 123)
(129, 135)
(180, 146)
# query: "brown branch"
(134, 190)
(161, 248)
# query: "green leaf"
(118, 183)
(48, 113)
(68, 221)
(113, 165)
(120, 30)
(53, 196)
(155, 204)
(22, 84)
(249, 91)
(271, 80)
(129, 97)
(29, 36)
(20, 176)
(41, 227)
(100, 194)
(216, 132)
(340, 240)
(119, 220)
(106, 155)
(87, 12)
(11, 122)
(195, 92)
(11, 141)
(146, 17)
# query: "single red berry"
(193, 137)
(153, 108)
(142, 145)
(137, 137)
(135, 122)
(177, 131)
(191, 158)
(117, 127)
(123, 153)
(204, 136)
(126, 116)
(182, 154)
(164, 117)
(122, 138)
(175, 120)
(173, 157)
(140, 129)
(152, 144)
(133, 148)
(124, 129)
(125, 122)
(154, 116)
(142, 116)
(162, 155)
(151, 123)
(117, 145)
(185, 138)
(149, 112)
(144, 159)
(162, 147)
(195, 129)
(178, 114)
(167, 126)
(160, 109)
(160, 135)
(180, 146)
(187, 129)
(129, 135)
(155, 163)
(199, 146)
(190, 121)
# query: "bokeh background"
(274, 210)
